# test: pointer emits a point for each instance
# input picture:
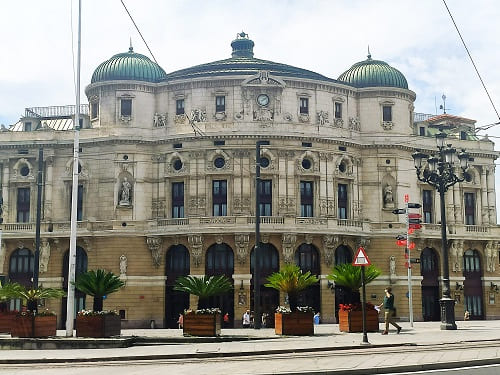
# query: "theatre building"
(166, 187)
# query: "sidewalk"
(159, 343)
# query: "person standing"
(180, 321)
(246, 319)
(389, 311)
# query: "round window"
(306, 164)
(177, 164)
(219, 162)
(342, 167)
(24, 170)
(264, 162)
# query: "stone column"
(484, 219)
(49, 187)
(5, 190)
(490, 182)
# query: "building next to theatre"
(166, 187)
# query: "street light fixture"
(440, 174)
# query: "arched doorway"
(220, 261)
(80, 267)
(176, 264)
(343, 295)
(21, 266)
(268, 264)
(307, 258)
(429, 269)
(473, 289)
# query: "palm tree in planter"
(297, 320)
(98, 322)
(350, 315)
(32, 322)
(204, 321)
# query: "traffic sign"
(361, 259)
(407, 198)
(399, 211)
(414, 216)
(415, 260)
(415, 226)
(414, 205)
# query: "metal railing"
(55, 111)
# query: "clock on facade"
(263, 100)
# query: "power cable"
(139, 31)
(471, 59)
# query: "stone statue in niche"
(388, 197)
(44, 255)
(392, 269)
(123, 265)
(125, 191)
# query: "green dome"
(128, 66)
(373, 73)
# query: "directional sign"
(414, 216)
(415, 260)
(361, 259)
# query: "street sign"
(414, 216)
(414, 205)
(414, 221)
(415, 226)
(399, 211)
(361, 259)
(415, 260)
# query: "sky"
(38, 44)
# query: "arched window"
(176, 263)
(343, 255)
(472, 261)
(428, 261)
(81, 264)
(307, 258)
(21, 266)
(220, 260)
(268, 260)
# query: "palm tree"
(29, 296)
(349, 276)
(203, 287)
(98, 283)
(291, 280)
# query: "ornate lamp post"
(439, 173)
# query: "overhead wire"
(472, 60)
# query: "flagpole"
(70, 305)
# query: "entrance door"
(473, 289)
(176, 264)
(220, 261)
(429, 269)
(343, 295)
(269, 298)
(307, 258)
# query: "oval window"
(177, 164)
(24, 170)
(264, 162)
(219, 162)
(306, 164)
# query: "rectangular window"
(342, 201)
(126, 107)
(463, 135)
(95, 110)
(427, 205)
(470, 208)
(23, 205)
(178, 199)
(179, 107)
(387, 113)
(27, 126)
(338, 110)
(306, 198)
(79, 203)
(219, 197)
(304, 105)
(220, 104)
(266, 197)
(422, 131)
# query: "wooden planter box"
(352, 321)
(7, 320)
(98, 326)
(201, 324)
(38, 326)
(294, 324)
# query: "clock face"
(263, 100)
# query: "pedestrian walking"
(389, 311)
(246, 319)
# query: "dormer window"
(421, 131)
(304, 105)
(27, 126)
(463, 135)
(126, 107)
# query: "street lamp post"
(439, 173)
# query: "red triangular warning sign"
(361, 259)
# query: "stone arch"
(311, 156)
(307, 257)
(177, 263)
(473, 285)
(347, 160)
(17, 168)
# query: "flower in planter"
(98, 283)
(96, 313)
(208, 311)
(291, 280)
(355, 306)
(283, 310)
(203, 287)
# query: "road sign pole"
(363, 306)
(408, 247)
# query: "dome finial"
(131, 49)
(369, 54)
(242, 46)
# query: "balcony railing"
(55, 111)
